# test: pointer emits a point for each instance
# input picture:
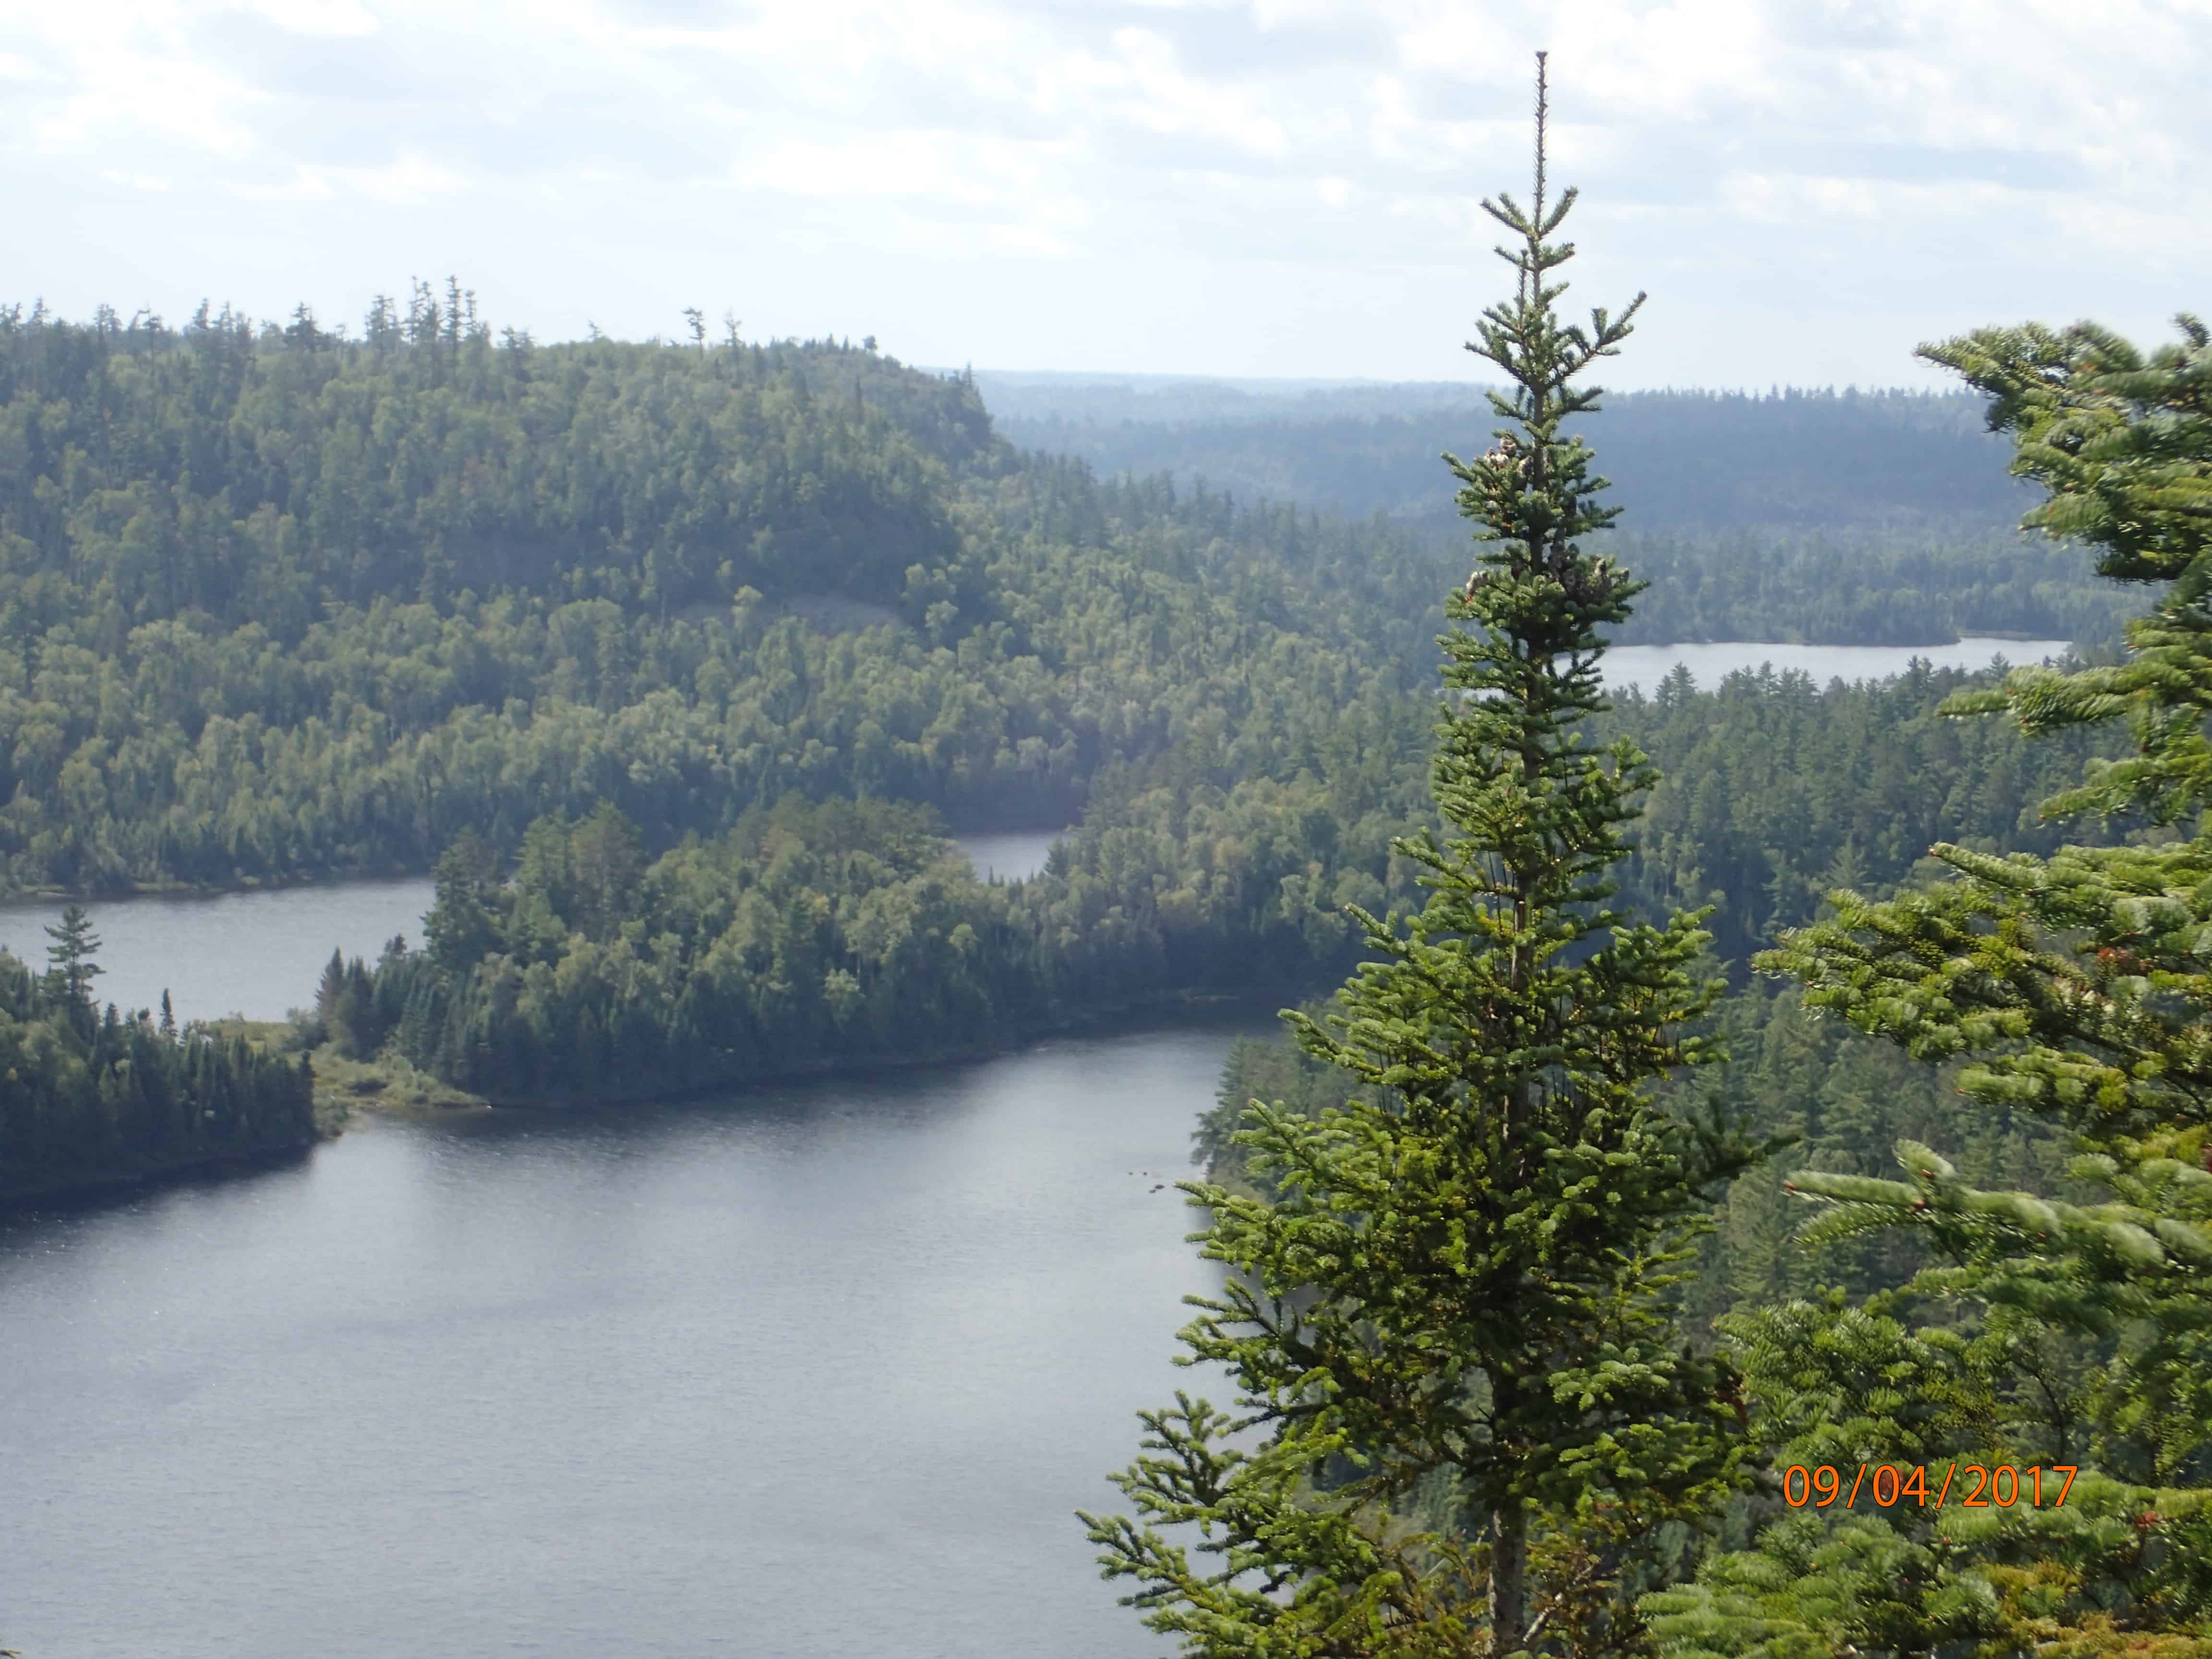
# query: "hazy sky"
(1808, 187)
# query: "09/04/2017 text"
(1996, 1486)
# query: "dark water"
(260, 954)
(817, 1371)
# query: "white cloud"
(1808, 187)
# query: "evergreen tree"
(459, 928)
(1464, 1411)
(2071, 1326)
(70, 956)
(329, 990)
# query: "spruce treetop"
(1463, 1410)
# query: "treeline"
(808, 934)
(816, 932)
(275, 604)
(1812, 459)
(1817, 517)
(89, 1094)
(248, 472)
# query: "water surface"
(256, 954)
(1014, 855)
(1645, 666)
(815, 1373)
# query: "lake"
(811, 1372)
(261, 953)
(1645, 666)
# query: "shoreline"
(63, 1189)
(395, 1088)
(1163, 1012)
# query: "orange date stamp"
(1998, 1485)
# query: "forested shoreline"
(93, 1097)
(279, 606)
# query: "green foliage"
(280, 605)
(1450, 1325)
(1833, 518)
(90, 1096)
(1776, 791)
(825, 933)
(1841, 1101)
(2069, 1324)
(275, 606)
(69, 957)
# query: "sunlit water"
(817, 1372)
(1645, 666)
(260, 954)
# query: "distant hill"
(1685, 461)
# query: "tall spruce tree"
(2069, 1327)
(70, 955)
(1464, 1411)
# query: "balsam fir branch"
(2064, 1327)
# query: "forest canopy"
(277, 602)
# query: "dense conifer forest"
(91, 1095)
(280, 604)
(1833, 518)
(811, 932)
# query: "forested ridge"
(1826, 517)
(1817, 457)
(279, 605)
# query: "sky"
(1807, 189)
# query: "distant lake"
(1014, 856)
(261, 953)
(809, 1372)
(1645, 666)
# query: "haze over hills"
(1908, 462)
(1817, 516)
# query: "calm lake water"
(259, 954)
(1645, 666)
(816, 1372)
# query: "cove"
(810, 1371)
